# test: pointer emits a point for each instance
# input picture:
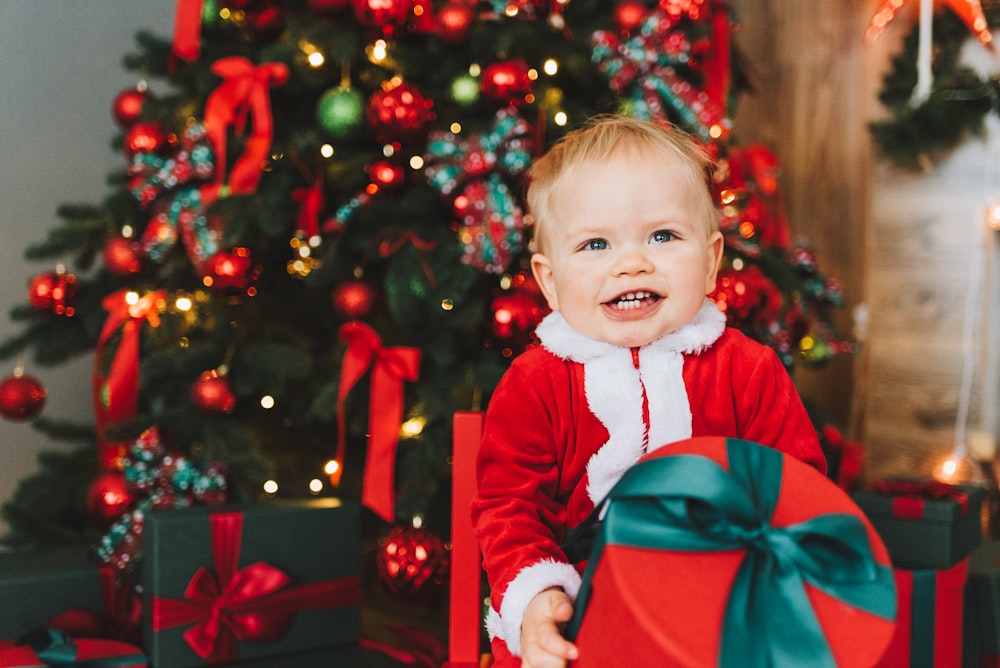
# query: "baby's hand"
(542, 646)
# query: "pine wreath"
(956, 107)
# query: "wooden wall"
(903, 243)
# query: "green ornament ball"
(465, 90)
(340, 110)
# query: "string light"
(326, 150)
(331, 467)
(267, 401)
(315, 486)
(270, 487)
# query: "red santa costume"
(569, 417)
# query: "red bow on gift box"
(120, 619)
(255, 603)
(390, 367)
(909, 496)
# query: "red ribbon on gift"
(390, 367)
(909, 496)
(253, 604)
(117, 395)
(119, 620)
(244, 91)
(187, 29)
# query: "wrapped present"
(247, 582)
(722, 552)
(62, 588)
(42, 648)
(924, 523)
(981, 628)
(929, 629)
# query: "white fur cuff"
(529, 583)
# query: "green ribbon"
(692, 504)
(56, 649)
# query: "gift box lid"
(718, 551)
(928, 501)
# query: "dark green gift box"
(982, 607)
(38, 585)
(246, 582)
(924, 524)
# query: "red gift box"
(45, 647)
(718, 551)
(929, 629)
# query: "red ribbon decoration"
(119, 620)
(244, 91)
(116, 396)
(187, 29)
(390, 367)
(253, 604)
(909, 496)
(310, 200)
(715, 63)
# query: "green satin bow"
(690, 503)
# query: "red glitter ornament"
(387, 17)
(127, 106)
(506, 82)
(108, 498)
(212, 393)
(455, 20)
(54, 292)
(122, 256)
(412, 563)
(22, 397)
(399, 114)
(354, 299)
(231, 271)
(145, 138)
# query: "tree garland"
(956, 107)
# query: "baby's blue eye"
(595, 244)
(662, 236)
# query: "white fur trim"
(532, 580)
(614, 389)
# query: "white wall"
(60, 69)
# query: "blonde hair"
(601, 138)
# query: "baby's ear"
(716, 246)
(541, 267)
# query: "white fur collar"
(614, 389)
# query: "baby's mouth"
(633, 300)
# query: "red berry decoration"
(455, 21)
(22, 397)
(127, 106)
(399, 114)
(122, 256)
(412, 563)
(145, 138)
(386, 17)
(354, 299)
(108, 498)
(212, 393)
(628, 15)
(506, 82)
(231, 271)
(54, 292)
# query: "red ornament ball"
(354, 299)
(231, 271)
(54, 292)
(212, 393)
(455, 20)
(127, 106)
(386, 17)
(145, 137)
(22, 397)
(515, 315)
(265, 20)
(412, 563)
(399, 114)
(122, 257)
(386, 175)
(108, 498)
(506, 82)
(628, 15)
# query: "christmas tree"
(315, 250)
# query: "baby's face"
(627, 258)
